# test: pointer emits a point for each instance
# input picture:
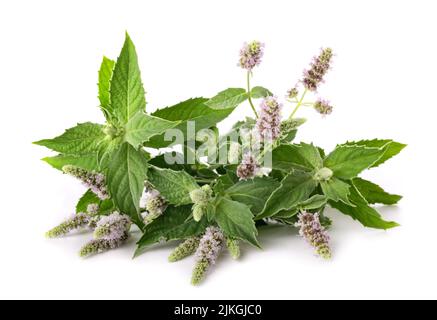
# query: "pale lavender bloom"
(312, 230)
(112, 227)
(153, 203)
(323, 107)
(251, 54)
(92, 180)
(93, 208)
(269, 121)
(319, 67)
(249, 167)
(210, 245)
(101, 245)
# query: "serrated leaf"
(193, 110)
(105, 75)
(87, 162)
(236, 220)
(392, 148)
(126, 91)
(85, 138)
(227, 99)
(253, 193)
(347, 161)
(336, 190)
(142, 127)
(362, 212)
(126, 175)
(174, 224)
(295, 188)
(260, 92)
(374, 193)
(305, 157)
(174, 186)
(88, 198)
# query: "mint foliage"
(213, 201)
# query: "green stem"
(298, 104)
(249, 94)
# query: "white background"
(382, 84)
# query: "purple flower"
(292, 93)
(101, 245)
(323, 107)
(315, 234)
(248, 168)
(92, 180)
(112, 227)
(80, 220)
(319, 66)
(251, 54)
(153, 204)
(268, 123)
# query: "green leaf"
(174, 224)
(85, 138)
(126, 175)
(105, 75)
(190, 110)
(260, 92)
(348, 161)
(305, 157)
(236, 220)
(228, 99)
(315, 202)
(174, 186)
(142, 127)
(295, 188)
(391, 147)
(336, 190)
(87, 162)
(374, 193)
(88, 198)
(362, 212)
(126, 91)
(253, 193)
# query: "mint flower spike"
(233, 248)
(92, 180)
(185, 249)
(101, 245)
(249, 167)
(292, 93)
(80, 220)
(268, 123)
(319, 67)
(201, 198)
(315, 234)
(251, 54)
(323, 107)
(153, 204)
(209, 248)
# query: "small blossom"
(319, 66)
(207, 253)
(292, 93)
(80, 220)
(323, 107)
(92, 209)
(316, 235)
(249, 167)
(201, 198)
(101, 245)
(93, 180)
(153, 203)
(185, 249)
(112, 227)
(268, 123)
(233, 248)
(251, 54)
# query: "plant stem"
(298, 104)
(249, 94)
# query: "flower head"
(80, 220)
(268, 123)
(93, 180)
(319, 66)
(251, 54)
(207, 252)
(185, 249)
(323, 107)
(153, 203)
(233, 248)
(101, 245)
(249, 167)
(316, 235)
(112, 227)
(292, 93)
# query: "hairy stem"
(249, 94)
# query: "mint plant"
(215, 189)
